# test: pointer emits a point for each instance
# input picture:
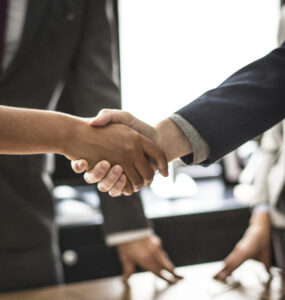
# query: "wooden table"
(249, 282)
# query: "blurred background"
(173, 51)
(170, 53)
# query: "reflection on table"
(250, 281)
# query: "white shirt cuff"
(260, 208)
(118, 238)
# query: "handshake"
(122, 153)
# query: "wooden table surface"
(249, 282)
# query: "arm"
(245, 105)
(255, 244)
(162, 135)
(256, 241)
(166, 134)
(27, 131)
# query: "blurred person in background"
(266, 231)
(54, 53)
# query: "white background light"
(174, 50)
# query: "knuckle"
(159, 242)
(104, 111)
(131, 148)
(127, 114)
(145, 257)
(156, 241)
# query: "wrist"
(171, 140)
(261, 218)
(260, 223)
(70, 134)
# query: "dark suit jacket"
(68, 52)
(249, 102)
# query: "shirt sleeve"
(118, 238)
(199, 146)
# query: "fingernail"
(178, 276)
(81, 164)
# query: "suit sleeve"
(93, 84)
(249, 102)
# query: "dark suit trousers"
(23, 269)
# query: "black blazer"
(68, 52)
(246, 104)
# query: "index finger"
(231, 262)
(156, 154)
(167, 264)
(155, 267)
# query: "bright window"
(174, 50)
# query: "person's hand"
(166, 134)
(111, 179)
(107, 116)
(120, 145)
(149, 255)
(255, 244)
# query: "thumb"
(106, 116)
(79, 165)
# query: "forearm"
(29, 131)
(242, 107)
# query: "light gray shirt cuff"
(118, 238)
(261, 208)
(199, 146)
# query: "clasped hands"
(124, 155)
